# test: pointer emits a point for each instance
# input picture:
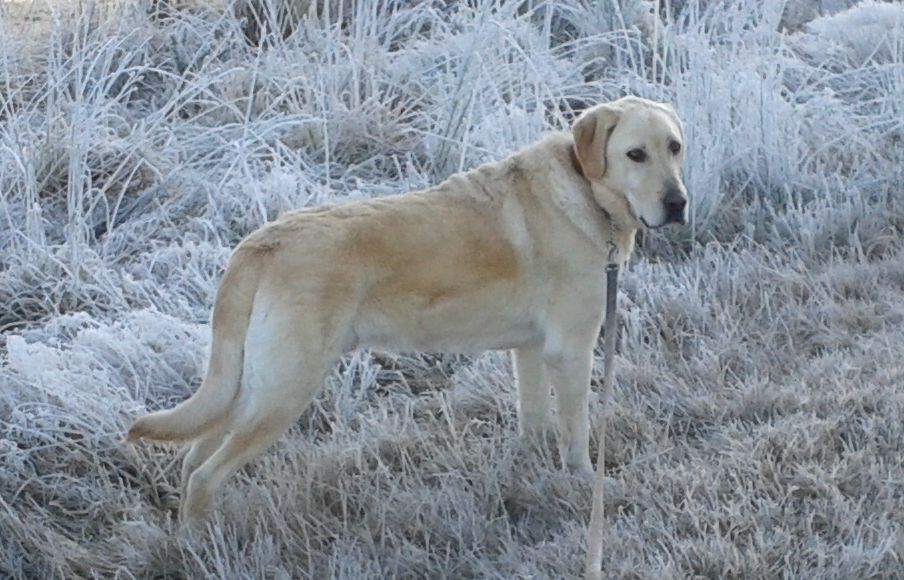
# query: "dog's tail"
(209, 406)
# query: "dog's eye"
(675, 147)
(637, 155)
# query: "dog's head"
(630, 150)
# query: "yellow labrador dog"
(510, 255)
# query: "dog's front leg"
(569, 363)
(533, 390)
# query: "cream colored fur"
(510, 255)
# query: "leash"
(594, 563)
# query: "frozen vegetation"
(758, 426)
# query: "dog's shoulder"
(554, 184)
(532, 171)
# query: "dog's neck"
(593, 219)
(576, 163)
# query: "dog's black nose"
(675, 202)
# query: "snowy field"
(758, 427)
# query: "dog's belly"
(383, 337)
(462, 332)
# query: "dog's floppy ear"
(670, 111)
(591, 134)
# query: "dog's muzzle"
(675, 207)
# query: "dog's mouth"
(672, 220)
(649, 227)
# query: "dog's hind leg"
(286, 359)
(255, 427)
(198, 452)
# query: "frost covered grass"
(757, 428)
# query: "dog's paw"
(532, 426)
(581, 467)
(534, 433)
